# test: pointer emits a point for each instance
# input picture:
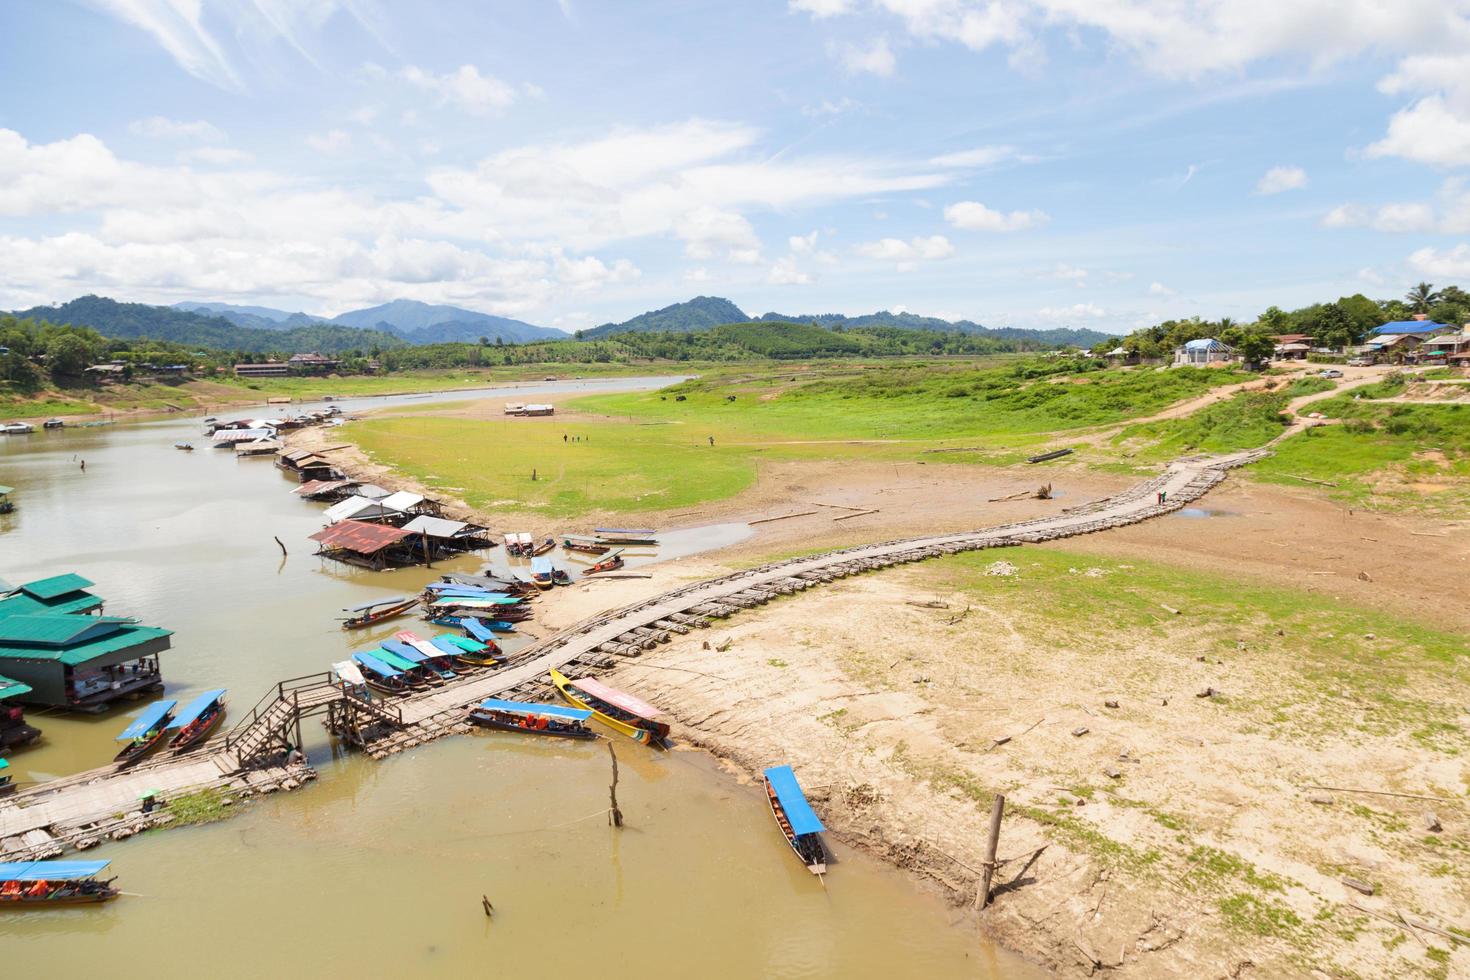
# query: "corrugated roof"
(372, 491)
(322, 486)
(357, 506)
(365, 539)
(56, 629)
(21, 604)
(12, 689)
(403, 500)
(123, 639)
(56, 585)
(1205, 343)
(434, 527)
(1411, 326)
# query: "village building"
(80, 662)
(266, 369)
(358, 509)
(307, 466)
(375, 546)
(1205, 352)
(312, 363)
(57, 594)
(13, 727)
(1292, 346)
(436, 536)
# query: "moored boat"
(146, 733)
(413, 670)
(610, 563)
(378, 610)
(799, 825)
(625, 535)
(467, 651)
(32, 884)
(380, 677)
(434, 658)
(17, 429)
(533, 719)
(616, 709)
(541, 573)
(544, 547)
(587, 546)
(560, 577)
(186, 447)
(7, 784)
(197, 720)
(53, 424)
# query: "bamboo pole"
(982, 899)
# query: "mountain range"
(704, 312)
(418, 323)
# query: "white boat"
(17, 429)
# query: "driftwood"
(1308, 479)
(1379, 792)
(1169, 609)
(614, 815)
(783, 517)
(861, 513)
(282, 546)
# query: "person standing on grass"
(711, 440)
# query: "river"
(378, 868)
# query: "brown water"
(377, 868)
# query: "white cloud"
(332, 141)
(1451, 264)
(980, 156)
(464, 88)
(786, 273)
(822, 8)
(1070, 273)
(365, 115)
(707, 231)
(1428, 131)
(831, 107)
(162, 128)
(974, 216)
(1159, 289)
(907, 253)
(1279, 179)
(874, 58)
(1449, 214)
(700, 274)
(803, 244)
(590, 272)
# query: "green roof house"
(79, 662)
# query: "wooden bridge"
(81, 810)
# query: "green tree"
(1275, 320)
(1334, 327)
(68, 355)
(1256, 349)
(1421, 297)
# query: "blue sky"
(1102, 163)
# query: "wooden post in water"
(283, 547)
(982, 899)
(614, 815)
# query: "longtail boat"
(197, 720)
(146, 732)
(625, 535)
(587, 546)
(619, 711)
(533, 719)
(7, 785)
(541, 573)
(32, 884)
(544, 547)
(560, 577)
(375, 612)
(610, 563)
(403, 657)
(433, 657)
(382, 678)
(794, 816)
(478, 631)
(467, 651)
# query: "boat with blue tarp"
(412, 669)
(425, 653)
(800, 826)
(146, 733)
(468, 651)
(541, 573)
(26, 884)
(555, 720)
(197, 720)
(380, 677)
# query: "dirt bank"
(1181, 833)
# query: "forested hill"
(132, 320)
(706, 312)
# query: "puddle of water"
(1199, 513)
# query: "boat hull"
(816, 867)
(358, 622)
(564, 685)
(134, 753)
(95, 898)
(183, 742)
(484, 721)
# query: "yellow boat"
(564, 684)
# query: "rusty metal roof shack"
(368, 545)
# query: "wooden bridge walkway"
(81, 810)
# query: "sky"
(1031, 163)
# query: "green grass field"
(1245, 421)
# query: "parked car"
(1331, 373)
(1359, 362)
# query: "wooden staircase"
(275, 721)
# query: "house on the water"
(1204, 352)
(55, 643)
(13, 728)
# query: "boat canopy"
(536, 710)
(541, 567)
(197, 707)
(793, 801)
(4, 764)
(375, 665)
(147, 721)
(476, 602)
(51, 870)
(474, 628)
(624, 530)
(5, 490)
(396, 660)
(405, 650)
(616, 698)
(470, 592)
(348, 672)
(459, 642)
(378, 602)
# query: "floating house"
(362, 509)
(329, 491)
(13, 728)
(80, 662)
(437, 536)
(412, 504)
(57, 594)
(306, 465)
(375, 546)
(1205, 352)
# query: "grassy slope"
(1245, 421)
(802, 412)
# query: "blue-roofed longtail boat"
(197, 720)
(146, 733)
(468, 651)
(378, 610)
(541, 573)
(533, 719)
(619, 711)
(381, 677)
(413, 670)
(426, 654)
(32, 884)
(794, 816)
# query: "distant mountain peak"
(699, 313)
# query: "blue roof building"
(1419, 327)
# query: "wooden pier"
(82, 810)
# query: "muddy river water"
(378, 868)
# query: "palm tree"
(1421, 297)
